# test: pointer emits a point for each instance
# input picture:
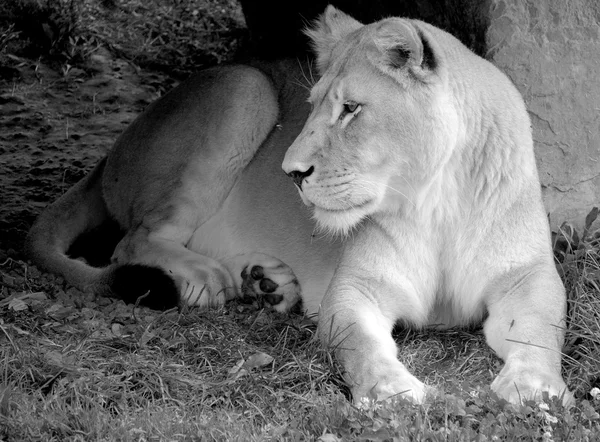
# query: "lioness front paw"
(517, 386)
(388, 382)
(272, 282)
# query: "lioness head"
(383, 120)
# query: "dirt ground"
(54, 126)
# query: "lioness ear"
(332, 26)
(404, 46)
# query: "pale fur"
(431, 179)
(435, 172)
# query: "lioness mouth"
(345, 209)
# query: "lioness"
(418, 152)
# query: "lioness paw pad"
(275, 286)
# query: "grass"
(78, 368)
(73, 367)
(578, 255)
(119, 375)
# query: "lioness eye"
(350, 106)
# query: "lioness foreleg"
(525, 327)
(358, 329)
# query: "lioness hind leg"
(173, 169)
(525, 327)
(206, 282)
(200, 280)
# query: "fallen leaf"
(590, 218)
(20, 330)
(54, 308)
(147, 336)
(236, 368)
(19, 300)
(64, 313)
(258, 360)
(328, 437)
(17, 304)
(37, 296)
(237, 371)
(55, 358)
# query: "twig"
(137, 303)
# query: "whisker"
(309, 81)
(310, 71)
(338, 192)
(319, 233)
(302, 85)
(394, 189)
(409, 184)
(361, 185)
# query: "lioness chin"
(419, 147)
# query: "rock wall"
(551, 51)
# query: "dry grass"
(578, 254)
(79, 368)
(115, 373)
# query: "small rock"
(117, 329)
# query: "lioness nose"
(298, 176)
